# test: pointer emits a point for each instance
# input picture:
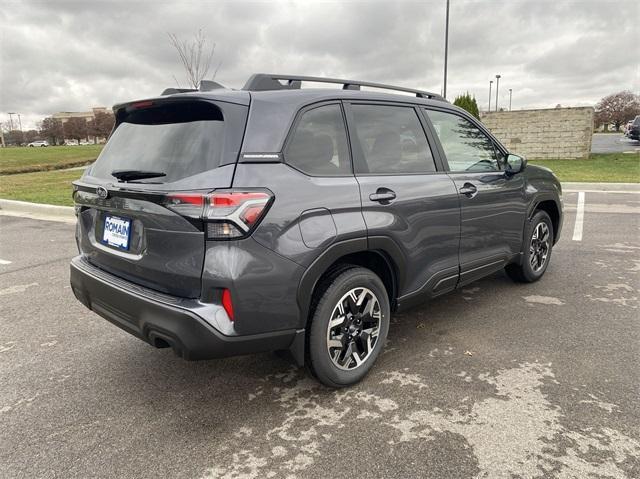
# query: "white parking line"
(4, 261)
(617, 192)
(577, 230)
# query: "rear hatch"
(129, 221)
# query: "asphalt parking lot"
(496, 380)
(613, 143)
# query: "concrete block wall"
(543, 134)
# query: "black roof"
(274, 105)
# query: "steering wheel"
(487, 163)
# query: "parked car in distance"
(634, 129)
(71, 142)
(221, 222)
(85, 143)
(38, 143)
(626, 129)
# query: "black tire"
(528, 272)
(330, 292)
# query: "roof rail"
(270, 81)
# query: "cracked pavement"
(495, 380)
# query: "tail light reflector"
(227, 304)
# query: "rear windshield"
(177, 139)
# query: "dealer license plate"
(117, 232)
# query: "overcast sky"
(72, 55)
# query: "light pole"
(510, 93)
(446, 51)
(490, 83)
(11, 120)
(497, 85)
(19, 122)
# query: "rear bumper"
(163, 320)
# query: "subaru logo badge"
(102, 192)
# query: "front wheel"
(348, 328)
(537, 252)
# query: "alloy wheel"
(352, 333)
(539, 247)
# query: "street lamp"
(510, 93)
(490, 83)
(497, 85)
(19, 122)
(446, 51)
(11, 120)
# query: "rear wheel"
(348, 328)
(537, 254)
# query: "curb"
(38, 211)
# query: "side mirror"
(515, 164)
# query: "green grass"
(52, 187)
(26, 159)
(605, 168)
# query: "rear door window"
(318, 146)
(179, 139)
(392, 140)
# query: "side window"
(392, 140)
(466, 146)
(318, 146)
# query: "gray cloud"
(71, 55)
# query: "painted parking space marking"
(18, 288)
(4, 261)
(617, 192)
(577, 230)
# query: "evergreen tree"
(467, 102)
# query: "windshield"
(177, 139)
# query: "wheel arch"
(357, 252)
(550, 206)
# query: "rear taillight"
(190, 205)
(227, 214)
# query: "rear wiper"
(131, 175)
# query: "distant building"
(63, 116)
(88, 116)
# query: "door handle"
(469, 190)
(383, 196)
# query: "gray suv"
(220, 222)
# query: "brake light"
(228, 214)
(227, 304)
(141, 104)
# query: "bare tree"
(617, 109)
(195, 56)
(100, 125)
(75, 128)
(51, 129)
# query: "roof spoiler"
(205, 85)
